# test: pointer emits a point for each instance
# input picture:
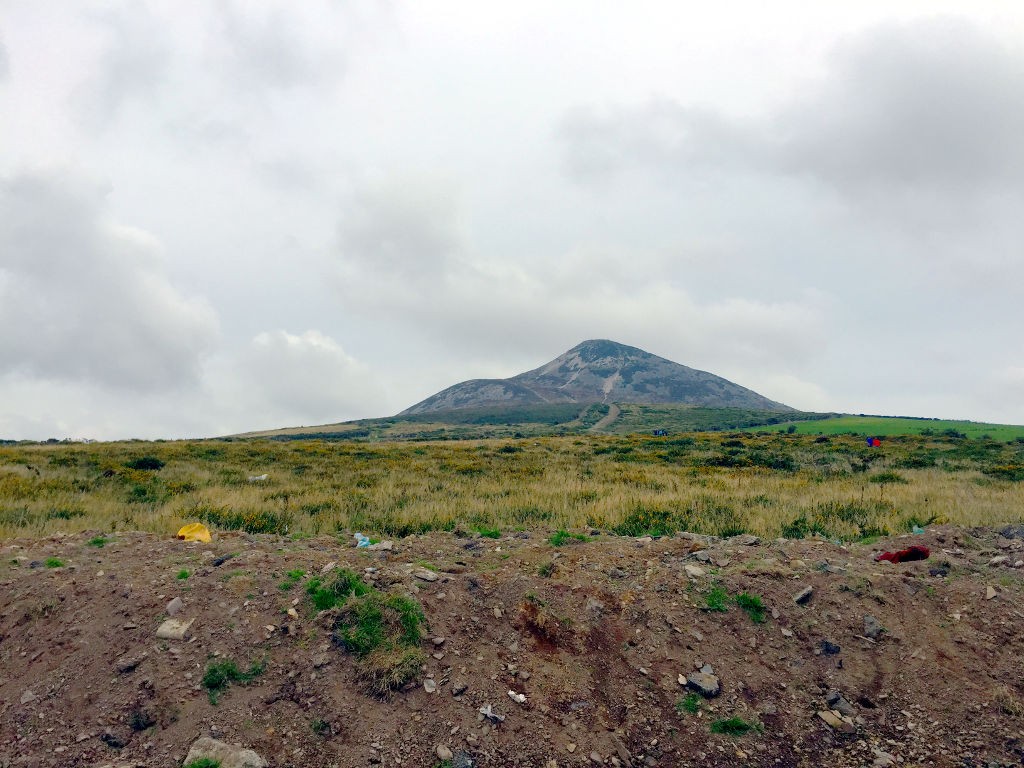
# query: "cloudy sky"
(233, 215)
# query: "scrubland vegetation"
(764, 483)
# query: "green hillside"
(536, 421)
(896, 425)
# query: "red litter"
(906, 555)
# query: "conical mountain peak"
(600, 371)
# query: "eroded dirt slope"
(595, 634)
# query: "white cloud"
(287, 379)
(86, 299)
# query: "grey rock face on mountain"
(600, 371)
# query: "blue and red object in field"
(874, 442)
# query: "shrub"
(647, 521)
(887, 478)
(1014, 472)
(145, 462)
(64, 514)
(800, 528)
(489, 533)
(97, 541)
(252, 521)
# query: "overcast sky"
(224, 216)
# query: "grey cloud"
(4, 63)
(82, 298)
(662, 136)
(270, 52)
(406, 227)
(934, 104)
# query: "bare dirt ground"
(596, 642)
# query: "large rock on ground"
(229, 755)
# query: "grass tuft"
(691, 703)
(734, 726)
(717, 600)
(562, 537)
(753, 605)
(220, 674)
(343, 585)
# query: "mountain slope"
(600, 371)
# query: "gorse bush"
(1013, 472)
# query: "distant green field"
(888, 425)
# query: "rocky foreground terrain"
(605, 651)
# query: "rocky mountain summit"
(600, 371)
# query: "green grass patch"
(291, 579)
(383, 631)
(753, 605)
(97, 541)
(886, 426)
(489, 533)
(54, 562)
(221, 674)
(204, 762)
(717, 600)
(734, 726)
(561, 538)
(183, 574)
(342, 585)
(690, 703)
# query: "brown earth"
(596, 646)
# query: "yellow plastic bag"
(194, 532)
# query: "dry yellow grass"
(714, 483)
